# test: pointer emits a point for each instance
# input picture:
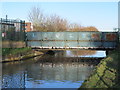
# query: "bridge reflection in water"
(49, 71)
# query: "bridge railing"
(72, 39)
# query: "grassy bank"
(16, 54)
(14, 51)
(106, 74)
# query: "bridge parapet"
(64, 40)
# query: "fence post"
(25, 35)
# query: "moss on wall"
(106, 74)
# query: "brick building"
(28, 27)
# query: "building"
(12, 29)
(28, 27)
(7, 24)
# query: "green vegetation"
(8, 51)
(17, 54)
(106, 74)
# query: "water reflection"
(46, 75)
(51, 71)
(81, 53)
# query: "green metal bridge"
(72, 40)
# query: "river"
(62, 69)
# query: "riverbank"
(106, 73)
(17, 54)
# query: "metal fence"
(13, 33)
(72, 39)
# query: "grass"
(16, 54)
(14, 51)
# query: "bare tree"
(75, 27)
(36, 16)
(55, 23)
(41, 22)
(78, 27)
(89, 28)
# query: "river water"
(62, 69)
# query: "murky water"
(64, 69)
